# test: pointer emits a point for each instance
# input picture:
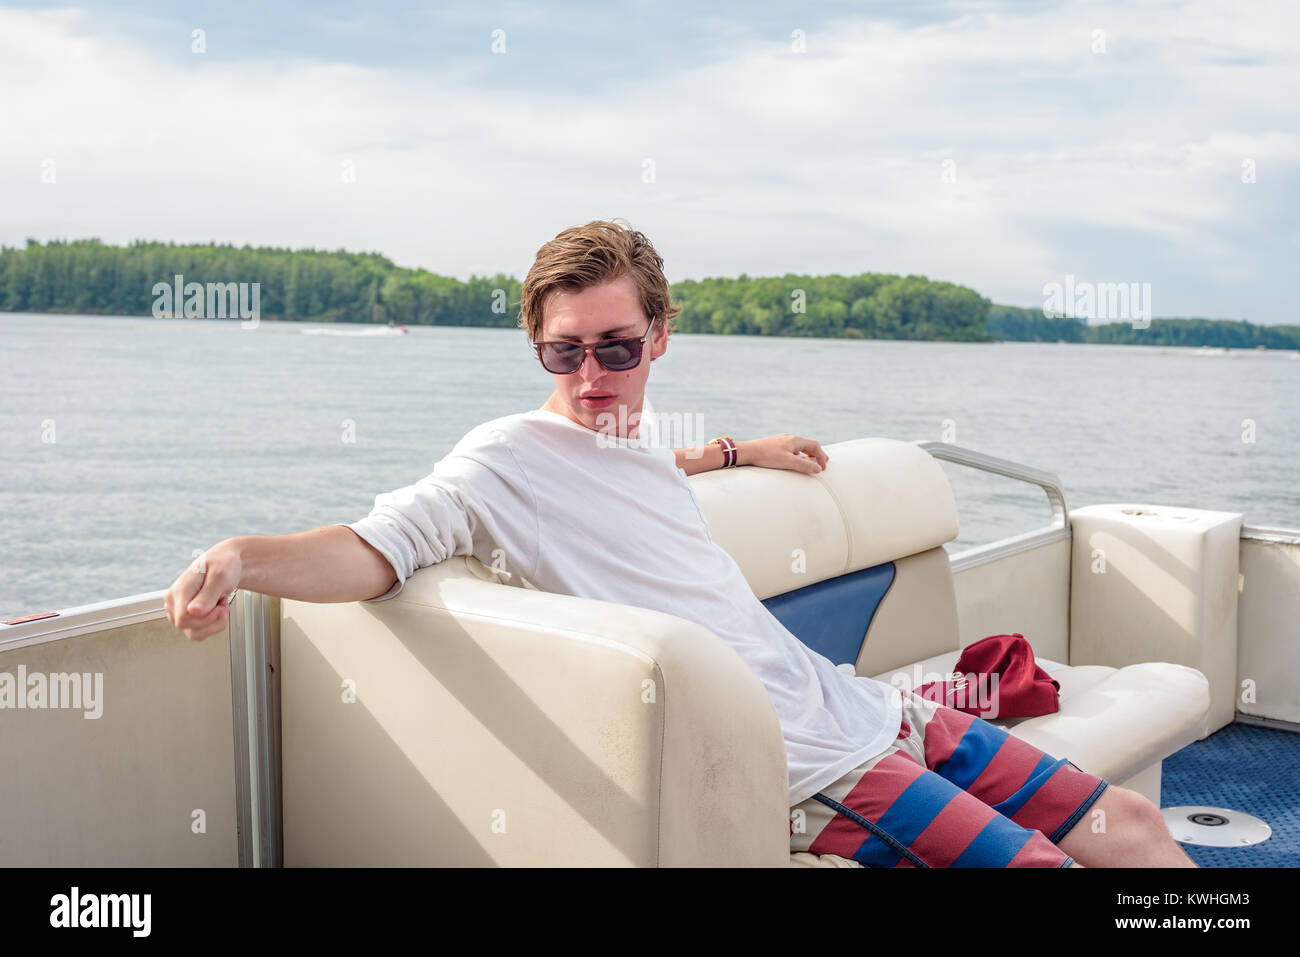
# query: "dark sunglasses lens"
(617, 356)
(561, 358)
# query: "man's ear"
(659, 341)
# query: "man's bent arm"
(327, 564)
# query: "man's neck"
(628, 422)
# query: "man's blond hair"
(584, 256)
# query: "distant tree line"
(88, 276)
(866, 306)
(1012, 323)
(1027, 325)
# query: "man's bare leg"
(1130, 832)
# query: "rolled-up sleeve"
(476, 501)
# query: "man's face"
(609, 311)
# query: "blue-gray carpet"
(1244, 768)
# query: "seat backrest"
(850, 560)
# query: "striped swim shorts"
(952, 790)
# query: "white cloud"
(766, 160)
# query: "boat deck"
(1244, 768)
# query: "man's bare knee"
(1142, 808)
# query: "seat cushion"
(1112, 722)
(1073, 680)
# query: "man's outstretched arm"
(327, 564)
(784, 451)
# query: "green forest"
(87, 276)
(1015, 324)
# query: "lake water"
(170, 435)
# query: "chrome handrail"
(1057, 530)
(1047, 481)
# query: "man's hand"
(198, 602)
(784, 451)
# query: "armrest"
(501, 725)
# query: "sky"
(999, 145)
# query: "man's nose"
(591, 370)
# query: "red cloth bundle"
(997, 678)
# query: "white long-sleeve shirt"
(542, 496)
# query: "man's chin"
(614, 418)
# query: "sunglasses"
(616, 355)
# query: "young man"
(575, 500)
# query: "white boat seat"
(890, 609)
(482, 703)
